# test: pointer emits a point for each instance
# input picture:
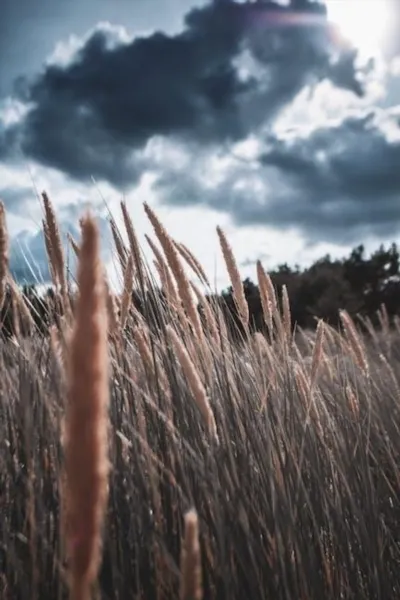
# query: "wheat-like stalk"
(352, 400)
(307, 397)
(354, 341)
(112, 314)
(59, 348)
(22, 312)
(391, 372)
(384, 320)
(148, 360)
(317, 352)
(194, 381)
(157, 253)
(144, 348)
(127, 292)
(191, 580)
(174, 262)
(265, 357)
(50, 255)
(366, 321)
(166, 278)
(193, 263)
(119, 245)
(86, 423)
(167, 285)
(134, 244)
(233, 271)
(74, 245)
(210, 319)
(267, 295)
(57, 254)
(287, 317)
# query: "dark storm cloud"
(338, 184)
(8, 142)
(29, 30)
(340, 180)
(86, 118)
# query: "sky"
(277, 120)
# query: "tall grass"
(182, 461)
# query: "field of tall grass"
(154, 455)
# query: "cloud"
(8, 142)
(15, 199)
(28, 258)
(93, 114)
(337, 183)
(251, 261)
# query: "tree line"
(358, 283)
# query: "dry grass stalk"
(112, 314)
(166, 278)
(237, 286)
(317, 352)
(58, 346)
(119, 245)
(224, 337)
(391, 372)
(396, 323)
(134, 244)
(279, 477)
(167, 282)
(352, 400)
(305, 340)
(167, 285)
(146, 356)
(22, 312)
(297, 354)
(127, 293)
(194, 381)
(384, 320)
(57, 254)
(263, 351)
(144, 349)
(200, 351)
(157, 253)
(15, 315)
(3, 254)
(279, 327)
(303, 386)
(74, 245)
(49, 251)
(174, 262)
(193, 263)
(366, 321)
(267, 281)
(267, 301)
(265, 358)
(191, 579)
(330, 339)
(209, 316)
(287, 317)
(86, 422)
(354, 341)
(307, 396)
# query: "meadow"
(157, 454)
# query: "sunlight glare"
(365, 24)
